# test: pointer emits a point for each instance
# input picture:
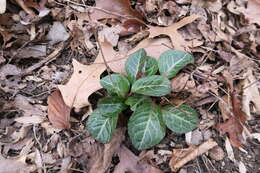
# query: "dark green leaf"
(145, 126)
(150, 66)
(155, 85)
(101, 127)
(134, 64)
(136, 100)
(112, 105)
(180, 119)
(172, 61)
(116, 84)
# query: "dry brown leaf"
(213, 6)
(96, 157)
(234, 125)
(58, 111)
(252, 12)
(103, 161)
(121, 9)
(225, 107)
(34, 119)
(35, 51)
(234, 129)
(131, 163)
(250, 94)
(114, 9)
(179, 82)
(177, 40)
(23, 104)
(57, 33)
(15, 165)
(182, 156)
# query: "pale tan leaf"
(58, 111)
(2, 6)
(242, 167)
(256, 136)
(15, 165)
(182, 156)
(250, 94)
(177, 40)
(83, 82)
(34, 119)
(22, 103)
(229, 149)
(252, 11)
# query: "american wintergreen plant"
(148, 122)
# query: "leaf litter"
(40, 40)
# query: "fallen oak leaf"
(234, 130)
(83, 82)
(237, 118)
(58, 111)
(177, 40)
(182, 156)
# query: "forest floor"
(51, 64)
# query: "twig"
(49, 58)
(101, 51)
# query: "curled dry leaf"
(96, 157)
(236, 117)
(57, 33)
(21, 102)
(114, 9)
(234, 129)
(121, 9)
(129, 162)
(58, 111)
(182, 156)
(103, 161)
(177, 40)
(251, 94)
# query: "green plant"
(147, 125)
